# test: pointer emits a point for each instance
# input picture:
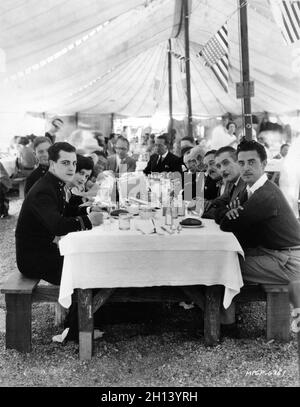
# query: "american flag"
(215, 54)
(287, 16)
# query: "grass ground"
(158, 345)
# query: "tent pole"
(187, 66)
(112, 116)
(170, 89)
(247, 116)
(76, 120)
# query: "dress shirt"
(259, 183)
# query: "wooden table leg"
(213, 295)
(85, 323)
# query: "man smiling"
(265, 224)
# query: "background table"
(117, 259)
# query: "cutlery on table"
(154, 228)
(167, 230)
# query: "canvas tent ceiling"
(110, 56)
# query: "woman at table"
(76, 189)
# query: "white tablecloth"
(9, 164)
(102, 258)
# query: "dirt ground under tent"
(160, 345)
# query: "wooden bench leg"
(213, 295)
(85, 323)
(278, 316)
(60, 315)
(18, 322)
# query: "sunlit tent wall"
(110, 57)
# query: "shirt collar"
(259, 183)
(164, 155)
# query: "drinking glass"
(200, 206)
(124, 221)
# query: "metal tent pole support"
(245, 89)
(187, 66)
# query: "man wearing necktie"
(162, 160)
(264, 224)
(227, 165)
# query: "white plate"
(192, 226)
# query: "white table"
(114, 259)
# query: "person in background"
(284, 149)
(163, 160)
(5, 185)
(100, 164)
(56, 125)
(40, 146)
(26, 159)
(121, 162)
(193, 160)
(101, 141)
(213, 179)
(231, 129)
(31, 138)
(111, 144)
(150, 144)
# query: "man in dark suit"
(235, 187)
(40, 146)
(42, 221)
(162, 160)
(212, 176)
(120, 162)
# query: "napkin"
(144, 225)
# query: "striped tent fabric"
(287, 16)
(215, 54)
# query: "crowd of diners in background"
(118, 154)
(237, 192)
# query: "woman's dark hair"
(54, 150)
(251, 145)
(84, 163)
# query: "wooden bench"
(20, 292)
(20, 182)
(278, 309)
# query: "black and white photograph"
(149, 197)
